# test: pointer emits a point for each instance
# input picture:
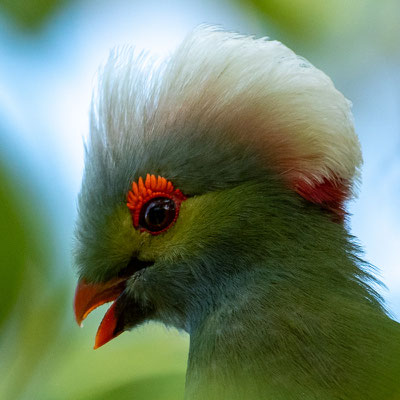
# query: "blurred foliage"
(307, 18)
(31, 300)
(163, 387)
(14, 247)
(311, 23)
(149, 355)
(31, 15)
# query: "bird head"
(200, 172)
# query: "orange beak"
(89, 296)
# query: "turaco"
(214, 200)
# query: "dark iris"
(157, 214)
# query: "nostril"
(134, 265)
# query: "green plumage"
(276, 298)
(273, 294)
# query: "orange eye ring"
(141, 196)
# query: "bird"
(214, 200)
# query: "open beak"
(89, 296)
(125, 312)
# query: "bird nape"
(213, 200)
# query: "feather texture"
(276, 298)
(252, 92)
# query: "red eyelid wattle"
(145, 190)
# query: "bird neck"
(288, 336)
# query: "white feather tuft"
(257, 93)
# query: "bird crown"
(222, 90)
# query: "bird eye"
(157, 214)
(154, 204)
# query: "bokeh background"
(50, 51)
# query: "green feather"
(275, 295)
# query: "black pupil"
(157, 214)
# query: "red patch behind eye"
(330, 194)
(154, 204)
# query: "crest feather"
(256, 93)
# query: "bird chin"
(125, 311)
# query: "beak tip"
(99, 342)
(78, 319)
(107, 329)
(89, 296)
